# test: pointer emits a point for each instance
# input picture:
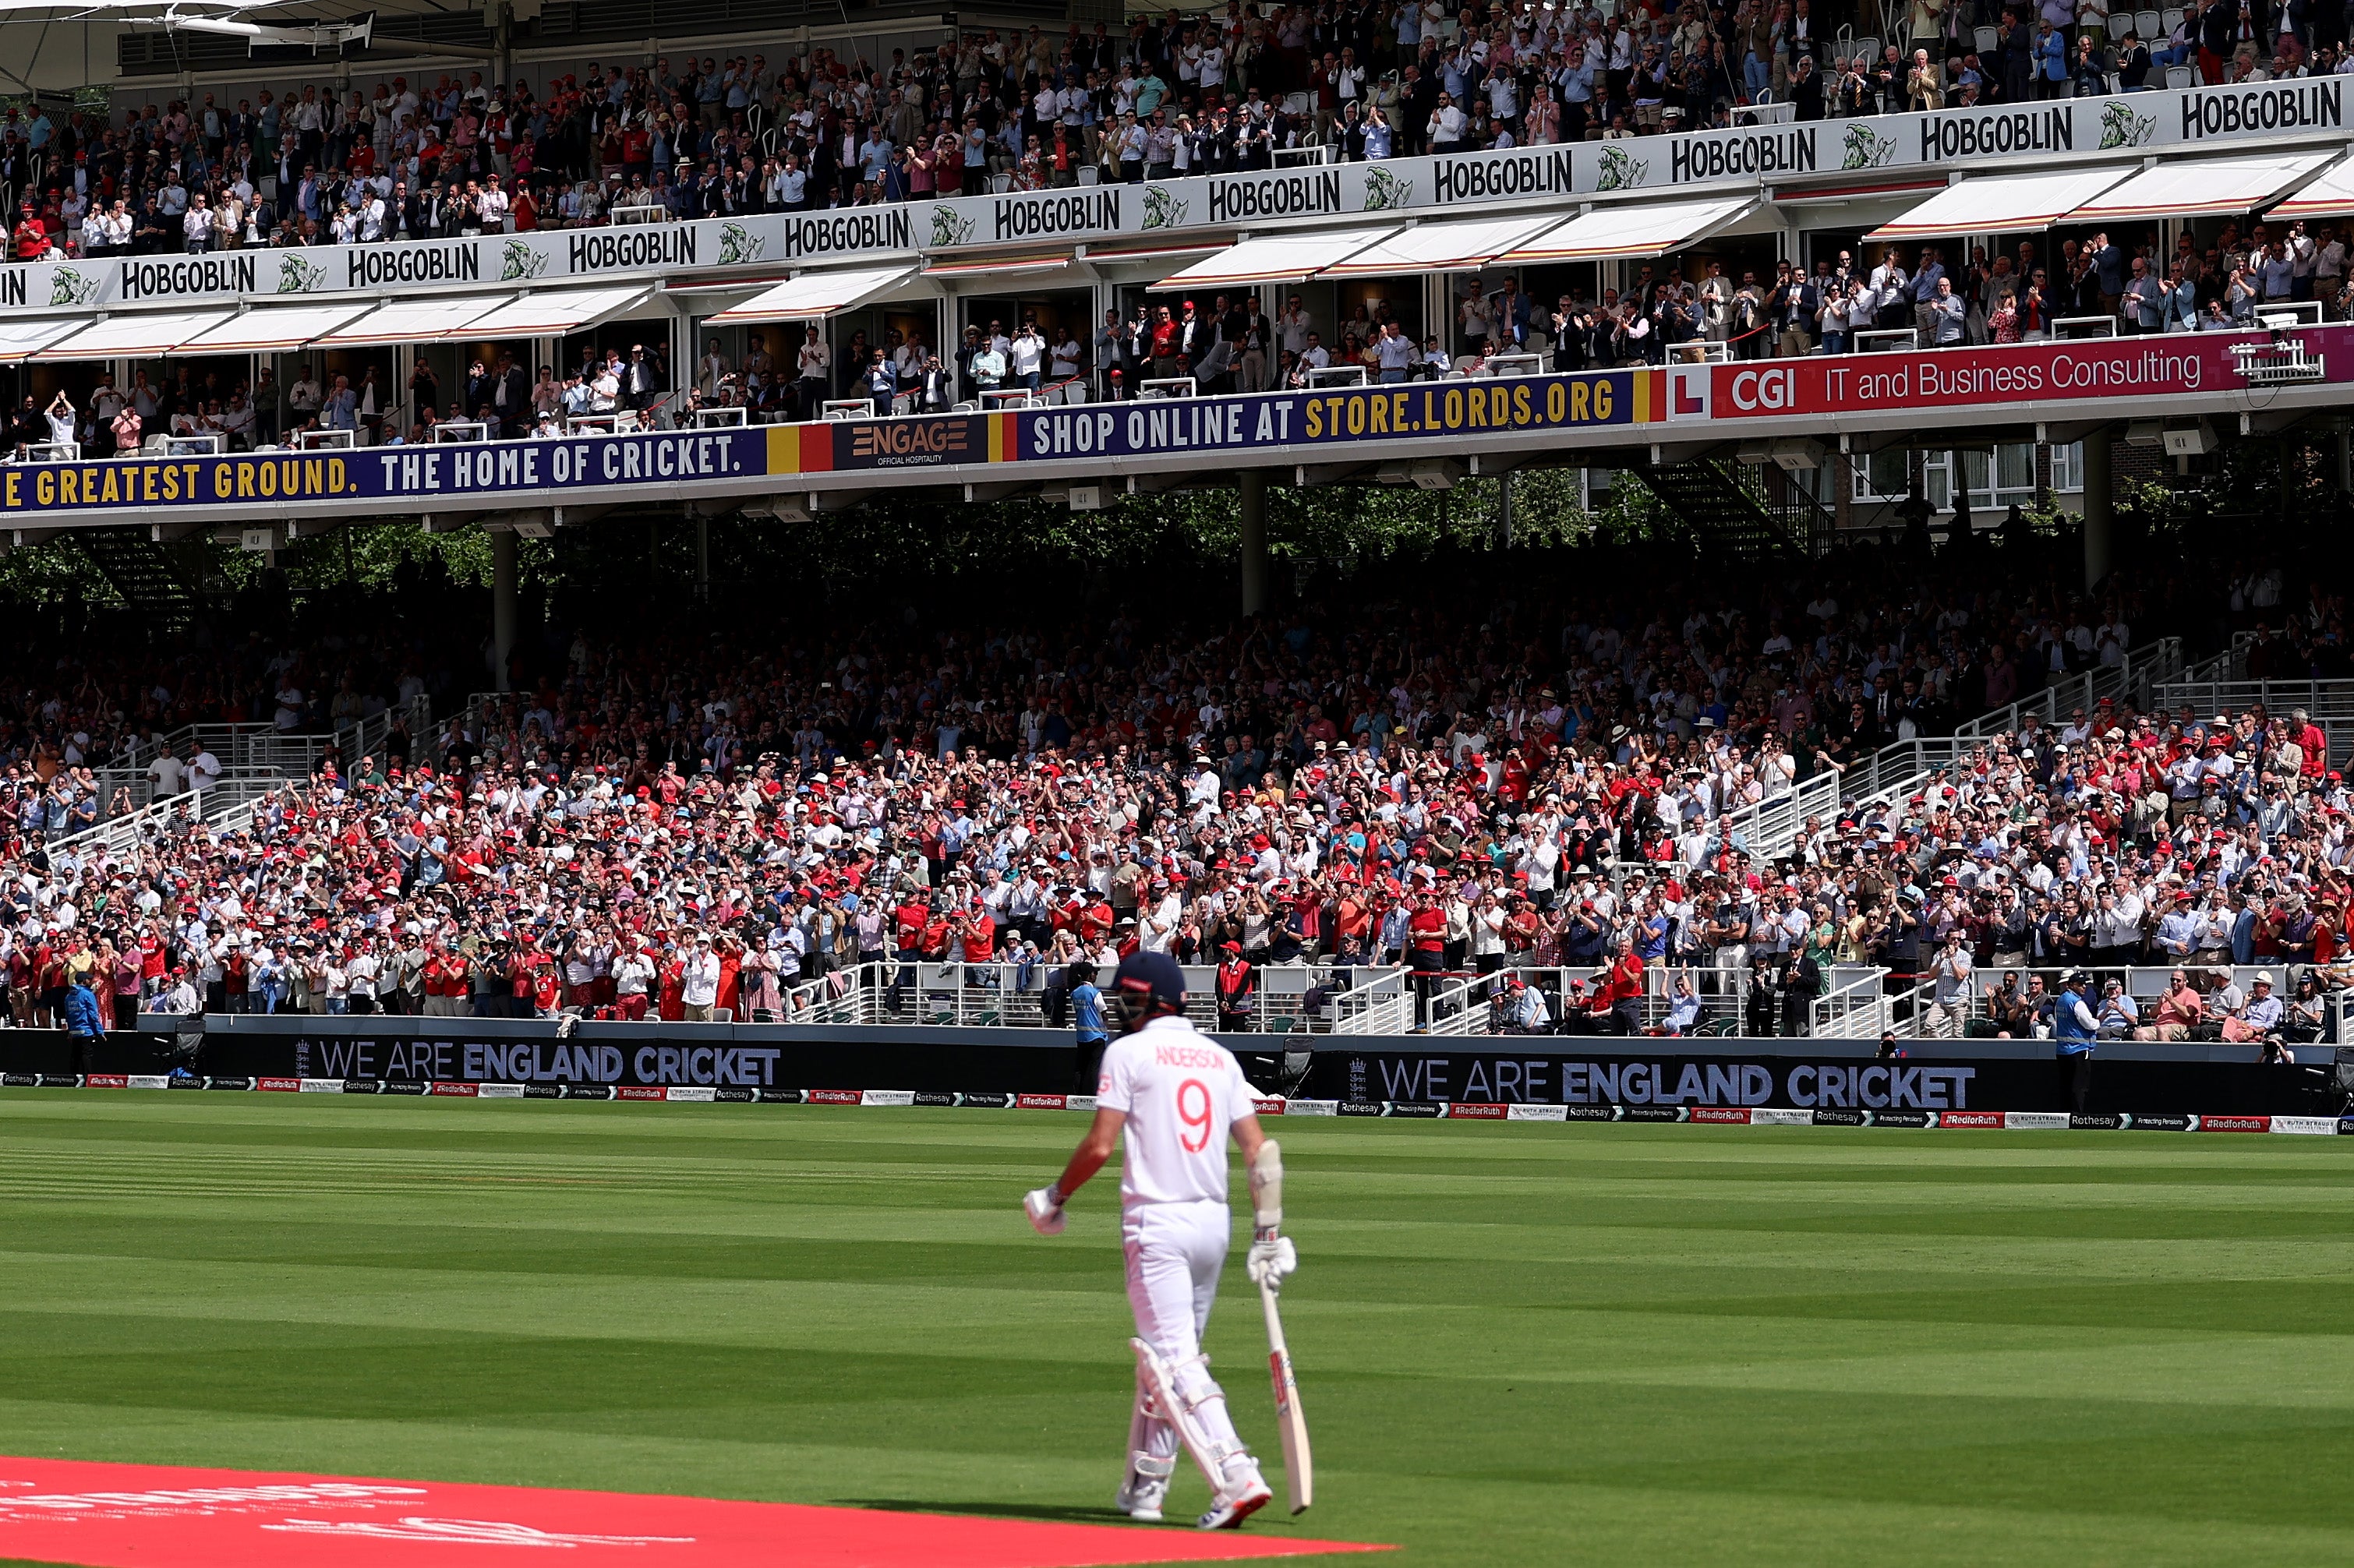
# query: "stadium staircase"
(158, 580)
(1906, 768)
(1747, 510)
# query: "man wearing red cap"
(1237, 989)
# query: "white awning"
(415, 321)
(275, 328)
(997, 264)
(2331, 195)
(19, 339)
(134, 334)
(2196, 187)
(1277, 257)
(815, 294)
(1442, 247)
(2003, 204)
(1649, 228)
(545, 313)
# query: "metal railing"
(2329, 704)
(1858, 1009)
(1466, 1004)
(1382, 1004)
(2126, 683)
(2144, 985)
(1769, 827)
(997, 995)
(261, 751)
(227, 806)
(1773, 825)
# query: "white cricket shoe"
(1244, 1495)
(1146, 1487)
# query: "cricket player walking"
(1176, 1094)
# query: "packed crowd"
(1239, 86)
(691, 828)
(497, 392)
(1682, 308)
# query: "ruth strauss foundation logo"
(1163, 210)
(519, 259)
(1867, 149)
(297, 275)
(2121, 126)
(948, 228)
(67, 287)
(738, 243)
(1385, 190)
(1621, 171)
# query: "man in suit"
(511, 399)
(641, 381)
(2219, 38)
(1794, 303)
(1926, 308)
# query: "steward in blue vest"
(2073, 1030)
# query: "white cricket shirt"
(1182, 1092)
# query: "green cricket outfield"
(1517, 1344)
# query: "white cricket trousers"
(1175, 1253)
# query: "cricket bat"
(1299, 1469)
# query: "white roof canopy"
(1442, 247)
(2193, 187)
(815, 294)
(269, 328)
(19, 339)
(2329, 196)
(134, 334)
(2003, 204)
(543, 312)
(411, 320)
(1649, 228)
(1277, 257)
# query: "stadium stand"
(325, 162)
(850, 823)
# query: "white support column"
(404, 366)
(683, 349)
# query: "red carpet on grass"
(166, 1516)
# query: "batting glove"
(1271, 1258)
(1044, 1207)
